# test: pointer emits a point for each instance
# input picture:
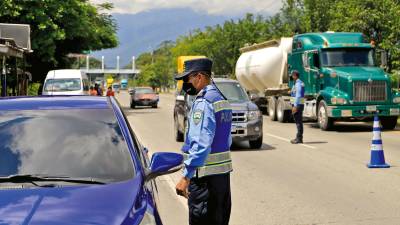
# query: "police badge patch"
(197, 115)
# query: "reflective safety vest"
(294, 90)
(219, 159)
(216, 163)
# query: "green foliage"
(59, 28)
(33, 89)
(378, 20)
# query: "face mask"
(189, 88)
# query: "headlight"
(253, 115)
(338, 101)
(396, 100)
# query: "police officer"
(297, 99)
(207, 166)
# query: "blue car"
(75, 160)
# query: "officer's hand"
(182, 187)
(294, 110)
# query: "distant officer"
(207, 166)
(297, 100)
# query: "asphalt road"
(323, 181)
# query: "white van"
(66, 82)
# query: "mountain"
(143, 32)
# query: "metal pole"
(3, 78)
(133, 63)
(102, 63)
(87, 62)
(118, 62)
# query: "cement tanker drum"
(263, 66)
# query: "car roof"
(65, 73)
(224, 80)
(143, 88)
(54, 102)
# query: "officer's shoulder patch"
(197, 116)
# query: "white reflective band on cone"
(376, 147)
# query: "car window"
(55, 85)
(232, 91)
(144, 91)
(75, 143)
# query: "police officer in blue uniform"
(207, 166)
(297, 100)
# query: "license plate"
(371, 108)
(347, 113)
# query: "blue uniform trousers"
(210, 200)
(298, 118)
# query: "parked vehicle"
(116, 87)
(75, 160)
(66, 82)
(144, 96)
(342, 80)
(124, 84)
(247, 121)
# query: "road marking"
(171, 184)
(287, 140)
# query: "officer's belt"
(216, 163)
(293, 100)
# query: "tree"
(59, 28)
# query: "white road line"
(287, 140)
(171, 184)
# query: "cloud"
(212, 7)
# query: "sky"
(212, 7)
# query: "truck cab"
(342, 79)
(247, 120)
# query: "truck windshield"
(348, 57)
(232, 91)
(62, 85)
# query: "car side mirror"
(164, 163)
(253, 96)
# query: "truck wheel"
(388, 122)
(324, 122)
(272, 108)
(154, 106)
(282, 115)
(256, 144)
(178, 134)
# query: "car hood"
(89, 204)
(146, 96)
(243, 106)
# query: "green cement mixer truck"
(342, 79)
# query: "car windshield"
(73, 143)
(348, 57)
(144, 91)
(232, 91)
(55, 85)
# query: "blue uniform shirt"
(298, 93)
(200, 134)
